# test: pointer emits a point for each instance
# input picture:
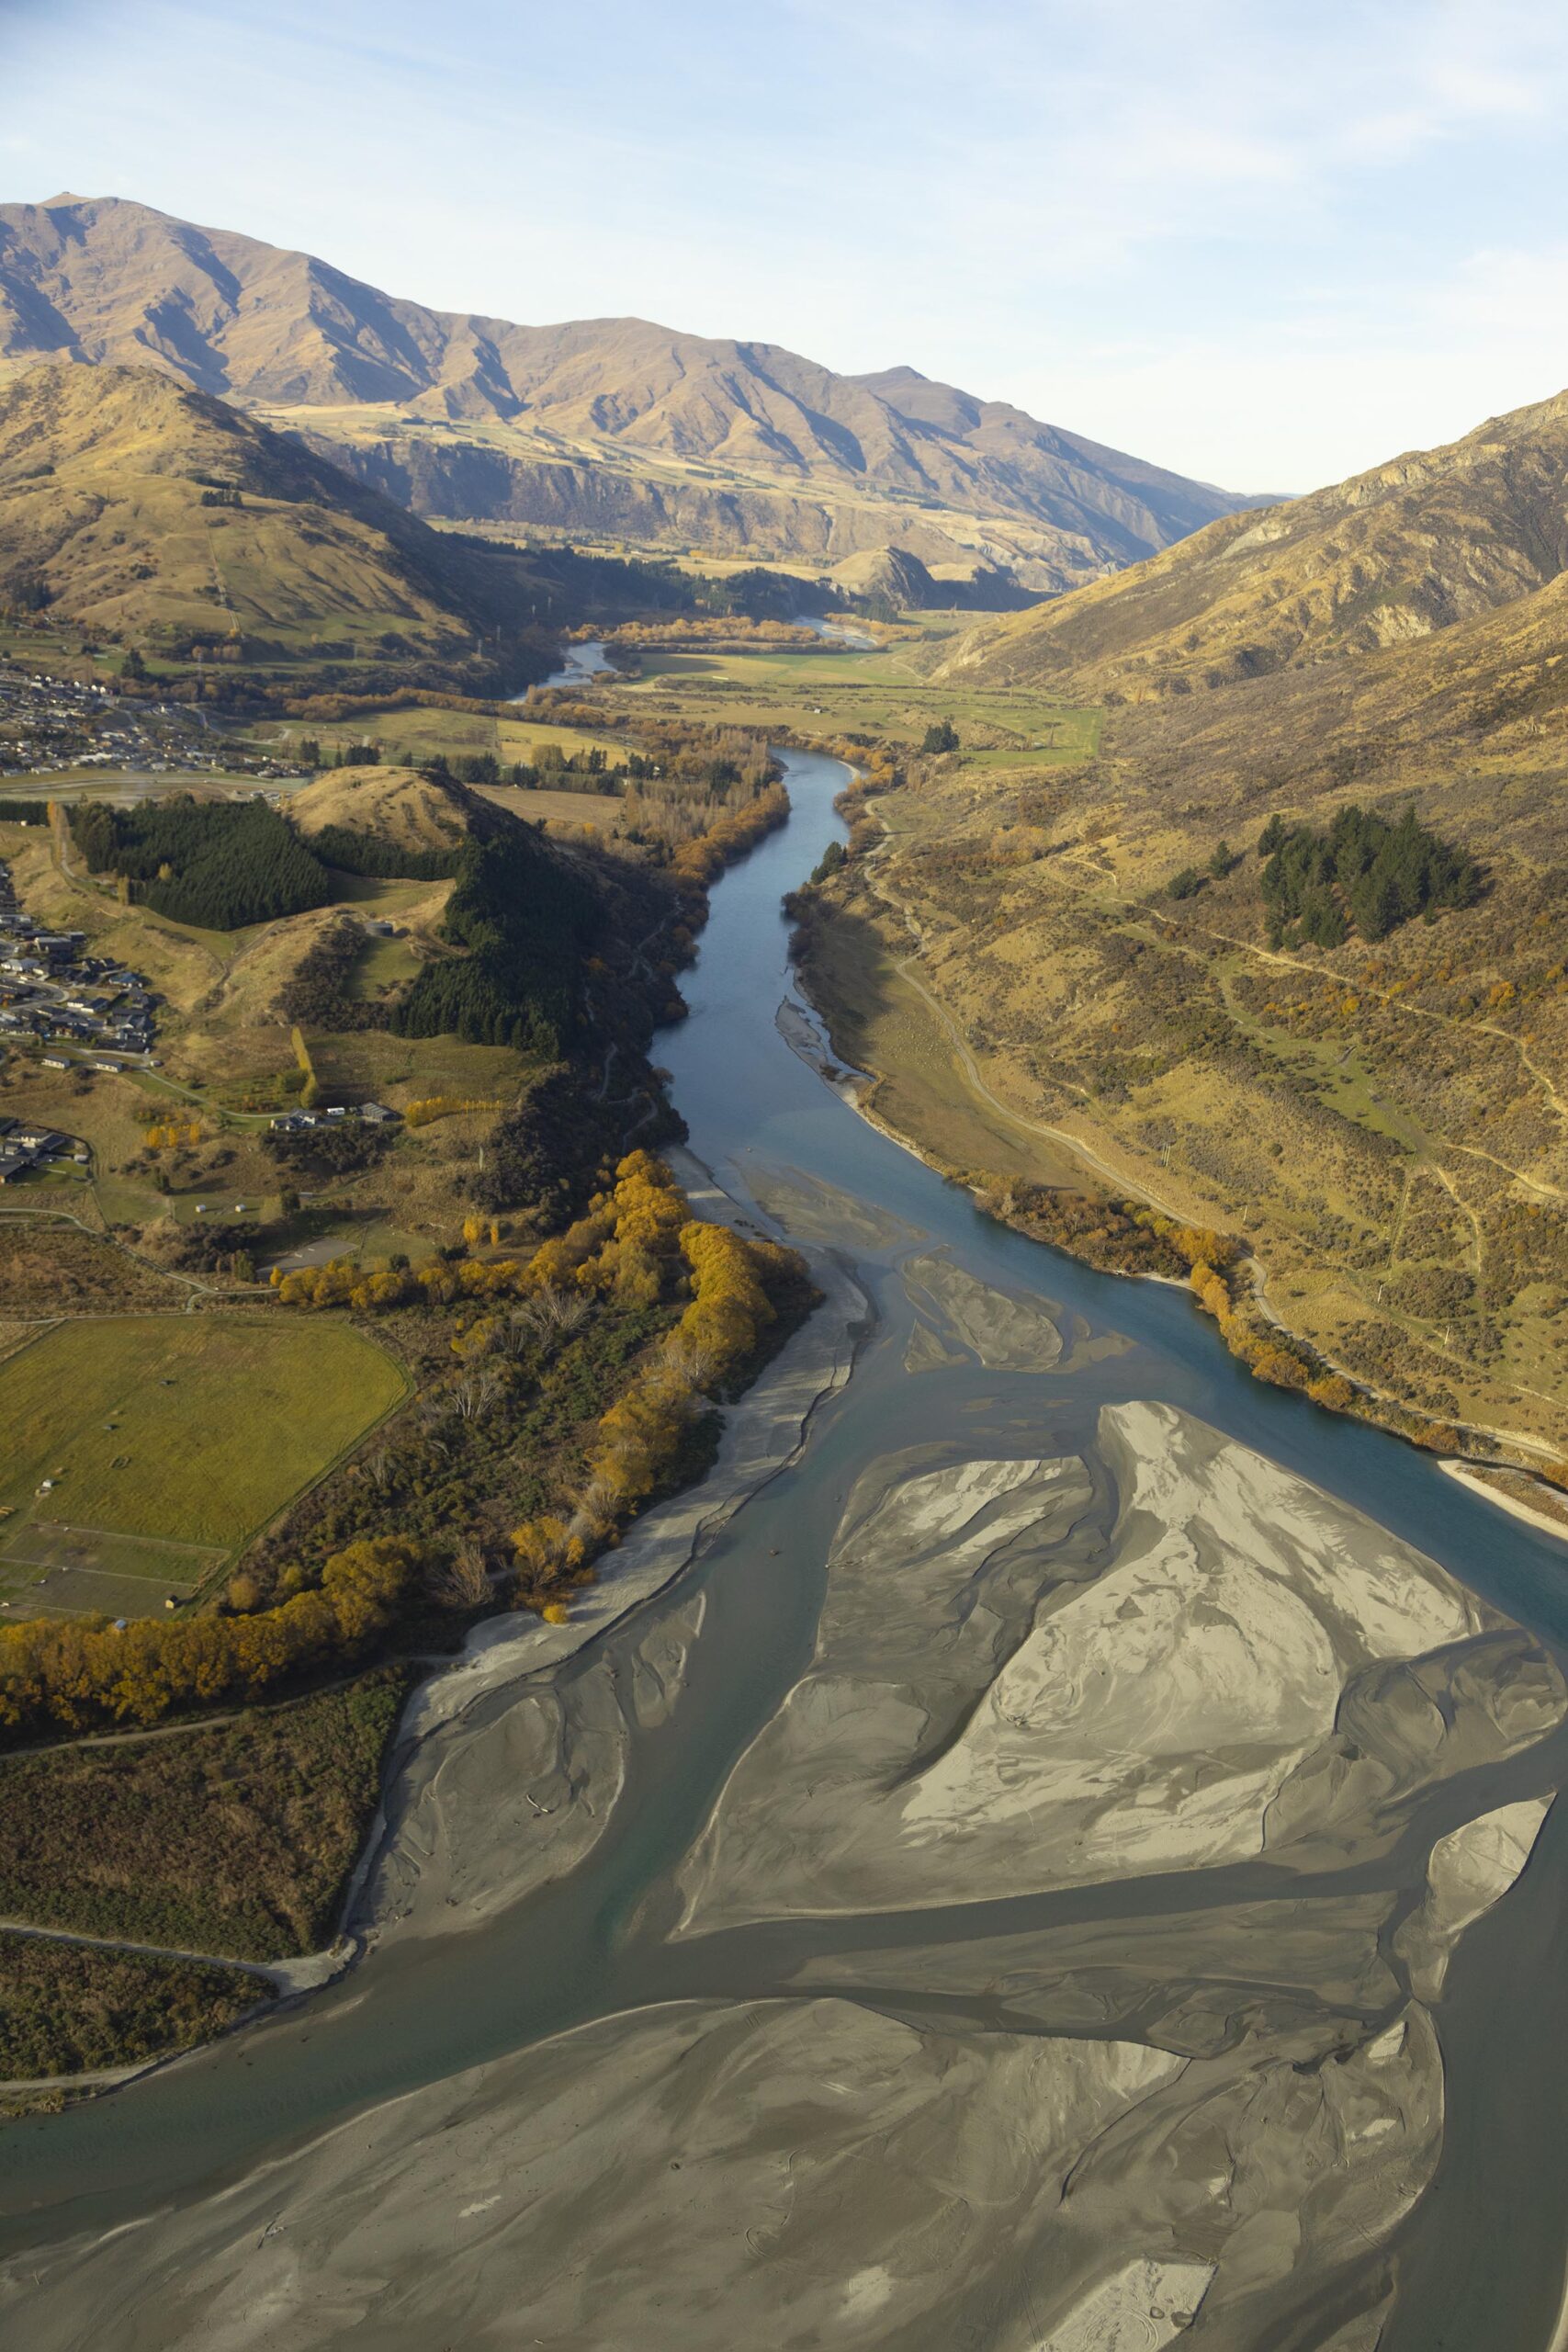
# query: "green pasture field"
(51, 1543)
(880, 693)
(382, 963)
(64, 1570)
(188, 1431)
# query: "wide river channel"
(1480, 2261)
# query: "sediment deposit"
(1042, 1672)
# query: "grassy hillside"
(607, 425)
(1379, 1107)
(1425, 544)
(397, 806)
(502, 951)
(144, 511)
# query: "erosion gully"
(1480, 2262)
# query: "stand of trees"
(353, 851)
(218, 864)
(317, 997)
(685, 1309)
(310, 754)
(637, 1246)
(542, 1154)
(553, 770)
(1364, 872)
(78, 1674)
(343, 1148)
(526, 920)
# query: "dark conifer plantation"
(218, 864)
(1364, 872)
(525, 920)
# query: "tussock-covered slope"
(133, 505)
(399, 807)
(1381, 1112)
(1425, 543)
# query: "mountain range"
(610, 426)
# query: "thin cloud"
(1249, 243)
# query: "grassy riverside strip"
(68, 2009)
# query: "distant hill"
(138, 507)
(1431, 541)
(613, 425)
(893, 579)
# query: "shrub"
(83, 1673)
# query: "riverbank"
(764, 1429)
(461, 1833)
(916, 1081)
(1259, 1092)
(1502, 1491)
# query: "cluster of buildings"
(25, 1146)
(53, 991)
(47, 724)
(50, 724)
(299, 1122)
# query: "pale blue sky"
(1264, 242)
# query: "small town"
(51, 726)
(52, 993)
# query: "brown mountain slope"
(1385, 1120)
(682, 418)
(1431, 540)
(108, 484)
